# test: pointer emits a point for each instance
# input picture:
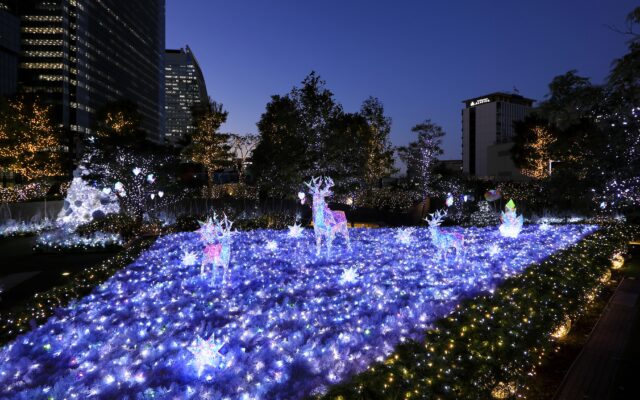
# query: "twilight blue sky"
(421, 58)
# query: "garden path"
(593, 374)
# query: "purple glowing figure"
(444, 241)
(326, 223)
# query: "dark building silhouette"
(9, 48)
(185, 89)
(80, 55)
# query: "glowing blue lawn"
(290, 326)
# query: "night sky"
(421, 58)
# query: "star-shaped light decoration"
(349, 275)
(272, 245)
(295, 230)
(189, 258)
(208, 231)
(206, 353)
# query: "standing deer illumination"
(326, 223)
(217, 251)
(444, 241)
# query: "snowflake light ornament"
(208, 231)
(494, 249)
(349, 275)
(206, 353)
(272, 245)
(189, 259)
(404, 236)
(295, 230)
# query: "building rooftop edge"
(517, 96)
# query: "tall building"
(487, 133)
(80, 55)
(184, 88)
(9, 48)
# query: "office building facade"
(80, 55)
(487, 134)
(9, 48)
(185, 89)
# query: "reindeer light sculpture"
(326, 223)
(217, 251)
(444, 241)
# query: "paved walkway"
(23, 272)
(594, 371)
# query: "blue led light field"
(284, 325)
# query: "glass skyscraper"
(185, 88)
(80, 55)
(9, 48)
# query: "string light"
(290, 329)
(490, 346)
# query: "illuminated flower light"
(605, 276)
(13, 228)
(617, 261)
(562, 330)
(276, 314)
(59, 240)
(504, 390)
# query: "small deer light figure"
(217, 250)
(444, 241)
(326, 223)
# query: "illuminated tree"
(422, 154)
(208, 146)
(29, 144)
(118, 120)
(532, 147)
(121, 161)
(378, 149)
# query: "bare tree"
(241, 147)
